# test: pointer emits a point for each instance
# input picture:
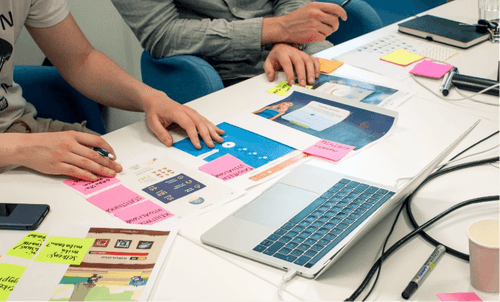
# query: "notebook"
(310, 217)
(444, 31)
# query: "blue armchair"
(187, 77)
(54, 98)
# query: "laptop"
(310, 217)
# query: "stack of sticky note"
(401, 57)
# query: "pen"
(104, 152)
(445, 78)
(447, 84)
(424, 271)
(345, 3)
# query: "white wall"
(107, 32)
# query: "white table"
(194, 271)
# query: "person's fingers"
(332, 9)
(94, 156)
(84, 163)
(187, 124)
(310, 68)
(269, 70)
(317, 66)
(76, 172)
(300, 70)
(159, 130)
(287, 66)
(91, 141)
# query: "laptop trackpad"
(276, 205)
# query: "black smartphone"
(22, 216)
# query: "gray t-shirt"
(226, 33)
(13, 15)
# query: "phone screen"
(7, 209)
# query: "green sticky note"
(28, 246)
(280, 89)
(65, 250)
(9, 275)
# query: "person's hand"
(289, 58)
(161, 111)
(311, 23)
(67, 153)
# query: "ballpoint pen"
(345, 3)
(103, 152)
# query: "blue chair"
(54, 98)
(183, 78)
(187, 77)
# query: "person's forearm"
(273, 31)
(10, 148)
(104, 81)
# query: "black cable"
(426, 236)
(412, 234)
(383, 251)
(431, 221)
(468, 148)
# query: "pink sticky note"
(226, 167)
(87, 187)
(146, 212)
(116, 198)
(329, 150)
(458, 297)
(431, 69)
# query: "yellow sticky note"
(9, 275)
(328, 66)
(28, 246)
(401, 57)
(280, 89)
(65, 250)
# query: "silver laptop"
(311, 216)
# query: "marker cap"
(409, 290)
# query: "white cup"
(489, 9)
(484, 257)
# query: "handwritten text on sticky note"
(9, 276)
(146, 212)
(28, 246)
(116, 198)
(226, 167)
(88, 187)
(459, 297)
(329, 150)
(65, 250)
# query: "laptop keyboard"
(314, 231)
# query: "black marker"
(104, 152)
(345, 3)
(424, 272)
(447, 84)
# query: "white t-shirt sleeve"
(47, 13)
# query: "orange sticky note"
(327, 66)
(401, 57)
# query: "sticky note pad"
(88, 187)
(431, 69)
(146, 212)
(115, 198)
(401, 57)
(329, 150)
(65, 250)
(458, 297)
(226, 167)
(280, 89)
(9, 276)
(28, 246)
(328, 66)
